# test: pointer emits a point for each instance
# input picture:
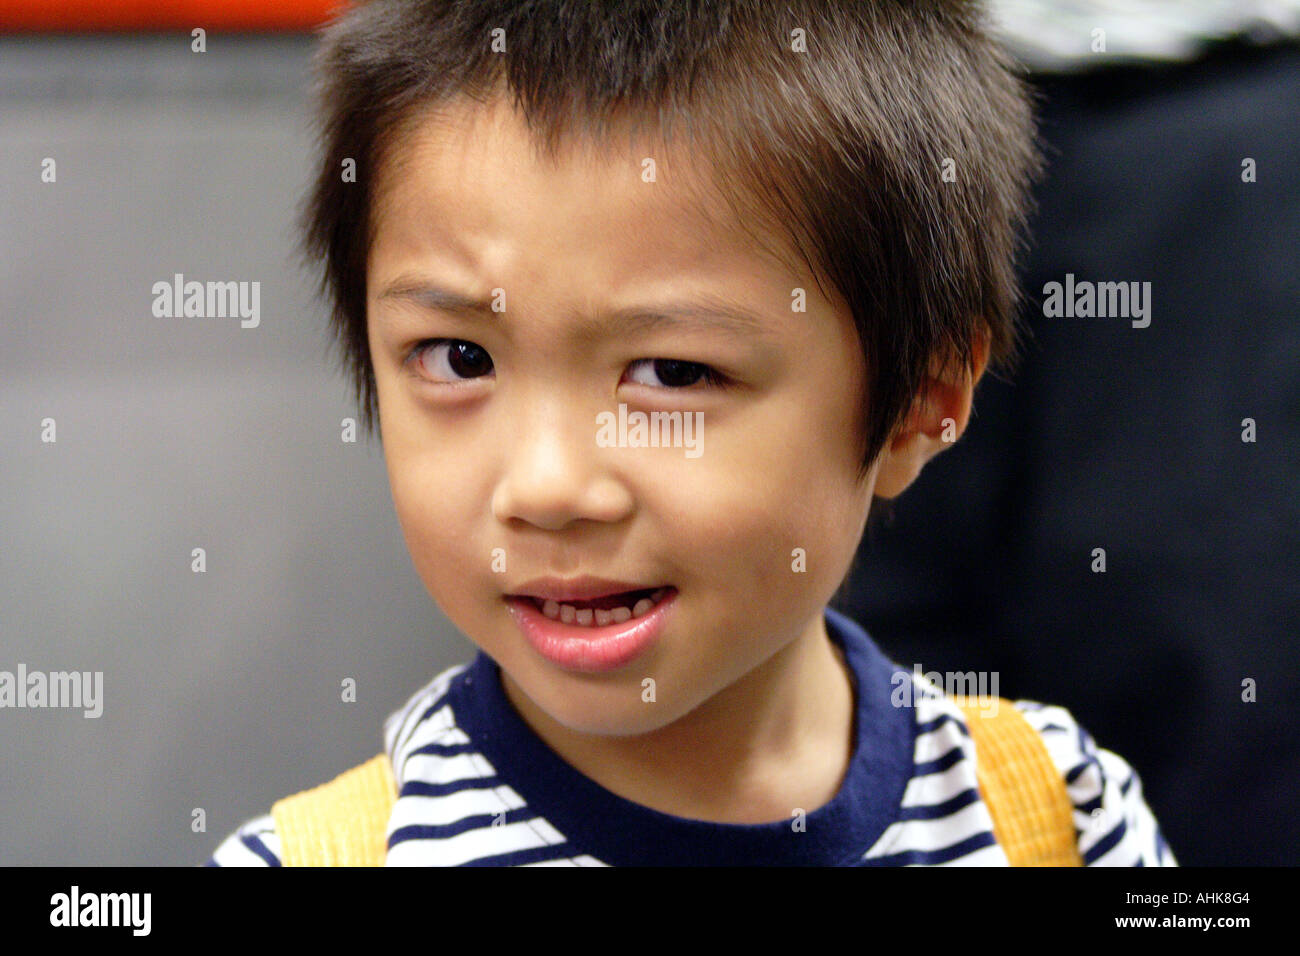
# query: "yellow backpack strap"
(340, 823)
(1033, 819)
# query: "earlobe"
(904, 457)
(937, 418)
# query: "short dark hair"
(897, 153)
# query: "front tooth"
(551, 609)
(587, 617)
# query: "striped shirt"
(477, 787)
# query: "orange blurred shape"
(78, 15)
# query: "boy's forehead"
(471, 166)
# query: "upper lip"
(576, 589)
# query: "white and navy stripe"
(464, 762)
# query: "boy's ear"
(936, 420)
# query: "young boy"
(650, 301)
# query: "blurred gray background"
(222, 690)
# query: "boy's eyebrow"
(707, 311)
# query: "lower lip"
(592, 650)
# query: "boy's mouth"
(612, 608)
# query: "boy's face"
(504, 454)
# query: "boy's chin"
(597, 715)
(634, 724)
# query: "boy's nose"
(554, 473)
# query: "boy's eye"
(674, 373)
(452, 359)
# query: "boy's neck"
(777, 740)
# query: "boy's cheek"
(461, 585)
(437, 530)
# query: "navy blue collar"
(621, 833)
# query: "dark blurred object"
(1130, 439)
